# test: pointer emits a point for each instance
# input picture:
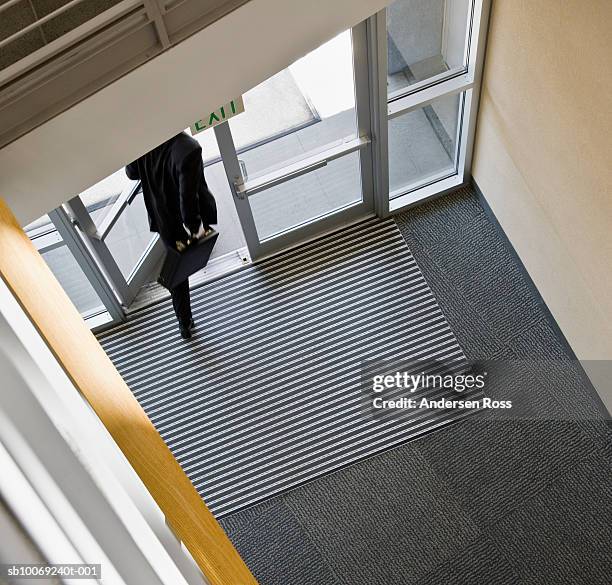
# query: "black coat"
(174, 188)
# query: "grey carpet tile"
(248, 519)
(387, 520)
(518, 498)
(541, 388)
(538, 355)
(493, 466)
(528, 385)
(584, 495)
(480, 562)
(547, 383)
(484, 272)
(439, 219)
(564, 382)
(538, 342)
(275, 548)
(474, 260)
(476, 337)
(563, 534)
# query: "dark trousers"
(180, 298)
(182, 303)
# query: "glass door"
(112, 220)
(299, 158)
(378, 118)
(99, 247)
(83, 283)
(119, 231)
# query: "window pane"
(130, 236)
(306, 108)
(39, 227)
(99, 198)
(72, 278)
(425, 38)
(423, 144)
(208, 142)
(62, 263)
(308, 197)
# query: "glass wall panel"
(39, 227)
(423, 144)
(100, 198)
(302, 110)
(308, 197)
(73, 280)
(425, 38)
(130, 237)
(49, 243)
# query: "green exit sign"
(220, 115)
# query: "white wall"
(129, 117)
(77, 470)
(542, 158)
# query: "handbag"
(179, 266)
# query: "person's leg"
(182, 306)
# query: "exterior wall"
(542, 157)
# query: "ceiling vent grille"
(54, 53)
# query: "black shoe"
(186, 331)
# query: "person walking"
(178, 202)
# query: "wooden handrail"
(94, 375)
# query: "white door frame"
(242, 189)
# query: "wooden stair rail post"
(94, 375)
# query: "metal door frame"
(241, 189)
(126, 288)
(89, 264)
(86, 242)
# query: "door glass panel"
(304, 109)
(100, 198)
(425, 38)
(130, 238)
(308, 197)
(423, 144)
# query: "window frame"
(388, 106)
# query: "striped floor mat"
(266, 396)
